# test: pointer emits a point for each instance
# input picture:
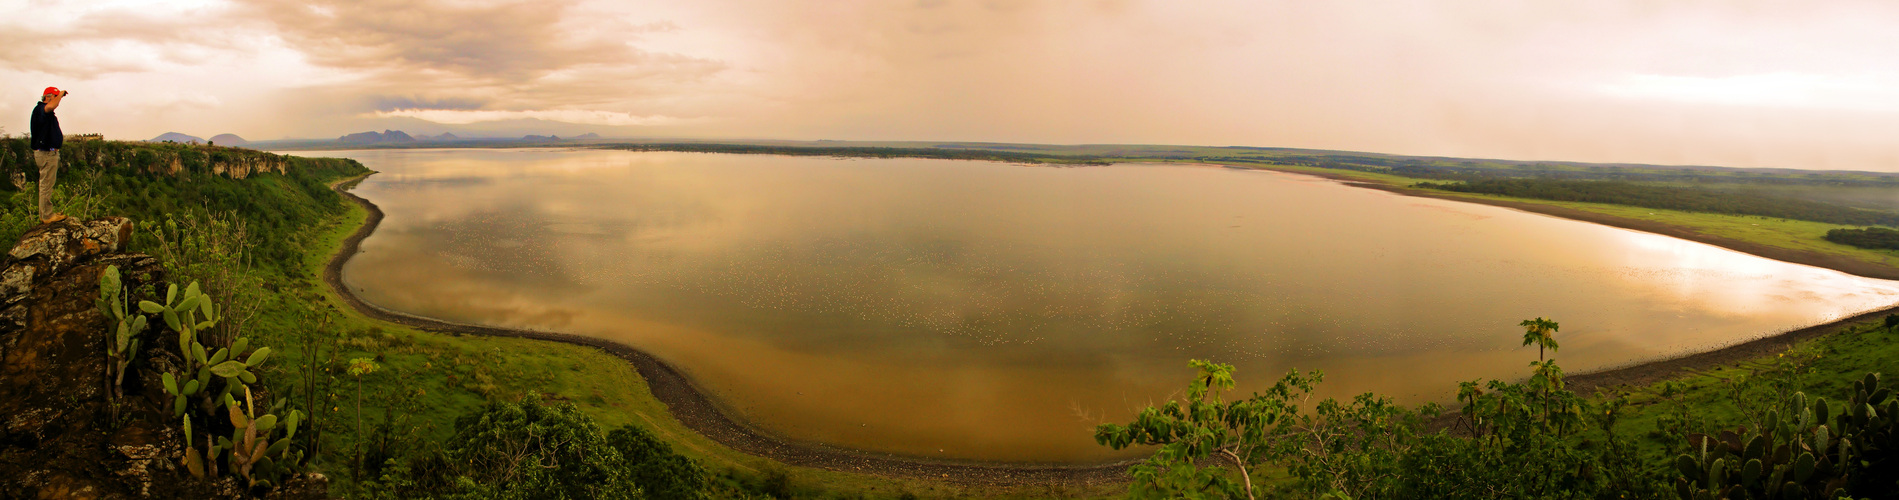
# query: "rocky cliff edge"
(61, 436)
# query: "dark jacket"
(46, 134)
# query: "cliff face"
(164, 158)
(61, 436)
(235, 163)
(241, 167)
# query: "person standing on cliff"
(47, 138)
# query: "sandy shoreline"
(694, 408)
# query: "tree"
(1203, 428)
(1349, 449)
(654, 467)
(1541, 332)
(534, 450)
(531, 449)
(1500, 446)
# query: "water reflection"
(982, 310)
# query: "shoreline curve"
(1679, 364)
(695, 409)
(698, 412)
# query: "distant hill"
(176, 137)
(589, 135)
(229, 140)
(445, 137)
(373, 137)
(541, 138)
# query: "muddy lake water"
(990, 311)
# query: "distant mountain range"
(221, 139)
(373, 137)
(398, 136)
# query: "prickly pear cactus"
(214, 378)
(1805, 450)
(123, 341)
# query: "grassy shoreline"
(1795, 241)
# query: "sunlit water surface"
(994, 311)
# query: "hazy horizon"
(1742, 84)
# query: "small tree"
(1348, 448)
(1501, 446)
(1541, 332)
(1204, 428)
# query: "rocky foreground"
(61, 436)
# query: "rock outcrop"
(236, 163)
(241, 167)
(61, 435)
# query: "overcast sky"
(1799, 84)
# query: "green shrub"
(532, 449)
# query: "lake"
(976, 310)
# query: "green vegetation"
(1756, 435)
(1801, 450)
(249, 451)
(1669, 197)
(138, 180)
(114, 304)
(1872, 237)
(530, 449)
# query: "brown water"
(994, 311)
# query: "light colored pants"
(49, 172)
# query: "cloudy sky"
(1801, 84)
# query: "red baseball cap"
(50, 90)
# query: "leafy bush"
(652, 464)
(1504, 444)
(1872, 237)
(1530, 439)
(530, 450)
